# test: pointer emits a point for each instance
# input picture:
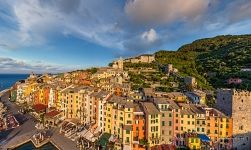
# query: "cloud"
(238, 11)
(144, 42)
(150, 36)
(40, 20)
(9, 65)
(130, 27)
(164, 11)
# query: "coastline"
(4, 91)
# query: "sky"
(50, 36)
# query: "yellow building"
(119, 120)
(187, 120)
(108, 117)
(70, 98)
(152, 116)
(193, 142)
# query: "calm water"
(7, 80)
(30, 146)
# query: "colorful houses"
(134, 120)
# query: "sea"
(7, 80)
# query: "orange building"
(138, 129)
(44, 92)
(36, 97)
(219, 127)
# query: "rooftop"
(52, 114)
(149, 108)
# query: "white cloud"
(165, 11)
(150, 36)
(10, 65)
(39, 20)
(134, 26)
(144, 42)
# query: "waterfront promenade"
(23, 133)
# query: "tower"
(237, 104)
(120, 63)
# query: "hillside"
(213, 60)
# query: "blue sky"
(61, 35)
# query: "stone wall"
(237, 104)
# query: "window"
(170, 115)
(181, 121)
(163, 123)
(163, 115)
(188, 122)
(127, 139)
(208, 131)
(127, 131)
(129, 122)
(192, 140)
(129, 115)
(176, 128)
(177, 121)
(170, 123)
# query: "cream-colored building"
(141, 59)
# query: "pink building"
(234, 81)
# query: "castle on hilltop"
(118, 64)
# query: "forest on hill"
(213, 61)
